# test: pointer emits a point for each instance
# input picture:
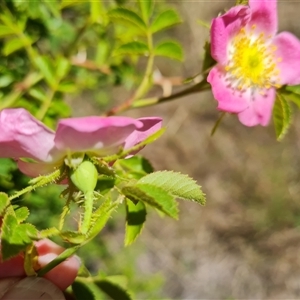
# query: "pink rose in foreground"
(252, 61)
(23, 136)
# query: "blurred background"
(244, 244)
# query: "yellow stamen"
(252, 61)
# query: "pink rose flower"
(23, 136)
(252, 61)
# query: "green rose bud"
(85, 176)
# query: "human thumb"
(16, 288)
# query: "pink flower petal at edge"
(259, 110)
(264, 16)
(21, 135)
(224, 27)
(33, 169)
(94, 134)
(228, 99)
(288, 50)
(150, 126)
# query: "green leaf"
(135, 219)
(48, 232)
(293, 88)
(5, 31)
(83, 290)
(165, 20)
(22, 214)
(6, 80)
(11, 46)
(45, 66)
(147, 9)
(295, 98)
(4, 203)
(177, 184)
(15, 237)
(114, 291)
(281, 116)
(136, 166)
(169, 49)
(153, 196)
(123, 14)
(133, 48)
(73, 237)
(38, 93)
(62, 67)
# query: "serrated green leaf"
(132, 48)
(281, 116)
(165, 20)
(135, 219)
(177, 184)
(153, 196)
(73, 237)
(114, 291)
(4, 203)
(49, 232)
(169, 49)
(147, 9)
(123, 14)
(15, 237)
(22, 214)
(12, 45)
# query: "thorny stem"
(44, 180)
(88, 210)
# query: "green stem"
(88, 210)
(41, 182)
(142, 89)
(46, 104)
(59, 259)
(197, 88)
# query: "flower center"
(252, 62)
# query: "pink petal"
(259, 110)
(34, 169)
(229, 99)
(94, 134)
(21, 135)
(288, 51)
(264, 16)
(224, 27)
(150, 126)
